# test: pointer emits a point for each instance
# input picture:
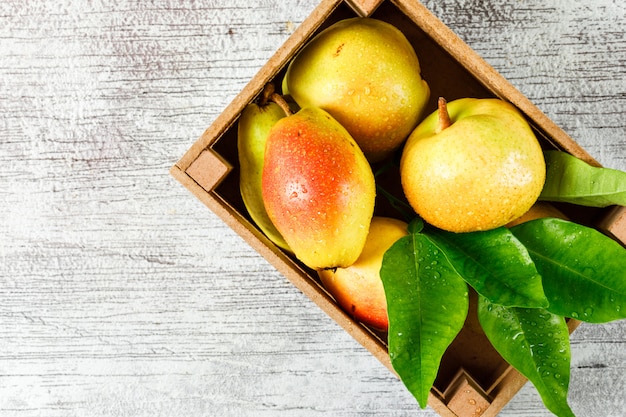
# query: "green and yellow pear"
(318, 189)
(358, 288)
(366, 74)
(253, 128)
(473, 164)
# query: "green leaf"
(536, 343)
(572, 180)
(584, 271)
(427, 303)
(495, 264)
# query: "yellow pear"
(474, 164)
(365, 73)
(539, 210)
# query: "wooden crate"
(473, 379)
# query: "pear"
(366, 74)
(358, 288)
(539, 210)
(318, 189)
(474, 164)
(253, 127)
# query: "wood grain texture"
(121, 295)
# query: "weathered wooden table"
(116, 301)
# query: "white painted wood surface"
(122, 295)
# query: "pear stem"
(282, 103)
(444, 116)
(269, 94)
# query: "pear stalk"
(269, 94)
(278, 99)
(444, 121)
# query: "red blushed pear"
(474, 164)
(358, 289)
(318, 189)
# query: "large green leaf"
(495, 264)
(427, 303)
(536, 343)
(584, 271)
(572, 180)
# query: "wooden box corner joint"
(465, 398)
(209, 169)
(364, 7)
